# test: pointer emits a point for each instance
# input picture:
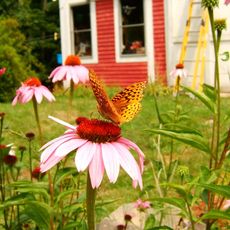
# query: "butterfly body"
(124, 106)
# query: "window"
(131, 28)
(82, 30)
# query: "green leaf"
(181, 129)
(179, 188)
(177, 202)
(29, 184)
(62, 195)
(64, 172)
(191, 139)
(10, 203)
(222, 190)
(34, 191)
(216, 214)
(39, 213)
(150, 222)
(4, 152)
(76, 225)
(160, 228)
(210, 92)
(203, 98)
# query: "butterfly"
(124, 106)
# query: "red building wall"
(113, 73)
(159, 40)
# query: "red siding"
(113, 73)
(159, 39)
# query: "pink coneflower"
(99, 147)
(2, 71)
(71, 70)
(227, 2)
(179, 71)
(142, 205)
(32, 88)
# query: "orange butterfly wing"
(127, 102)
(124, 106)
(105, 105)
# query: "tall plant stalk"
(35, 105)
(90, 204)
(216, 118)
(71, 96)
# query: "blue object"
(59, 58)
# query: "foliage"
(37, 20)
(15, 56)
(203, 198)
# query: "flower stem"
(30, 160)
(51, 188)
(90, 204)
(35, 105)
(1, 128)
(190, 214)
(71, 95)
(216, 120)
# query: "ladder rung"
(195, 17)
(194, 31)
(196, 2)
(191, 60)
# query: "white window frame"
(147, 7)
(67, 29)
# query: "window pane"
(81, 17)
(132, 12)
(82, 30)
(82, 45)
(133, 40)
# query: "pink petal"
(50, 163)
(96, 168)
(70, 75)
(84, 155)
(47, 94)
(62, 122)
(69, 146)
(38, 94)
(82, 73)
(26, 95)
(111, 161)
(55, 140)
(54, 72)
(61, 74)
(14, 102)
(127, 161)
(136, 148)
(50, 150)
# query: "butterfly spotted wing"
(105, 105)
(124, 106)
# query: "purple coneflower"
(32, 88)
(99, 147)
(72, 71)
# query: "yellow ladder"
(186, 33)
(200, 53)
(201, 45)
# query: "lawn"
(19, 120)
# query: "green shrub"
(15, 56)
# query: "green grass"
(20, 120)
